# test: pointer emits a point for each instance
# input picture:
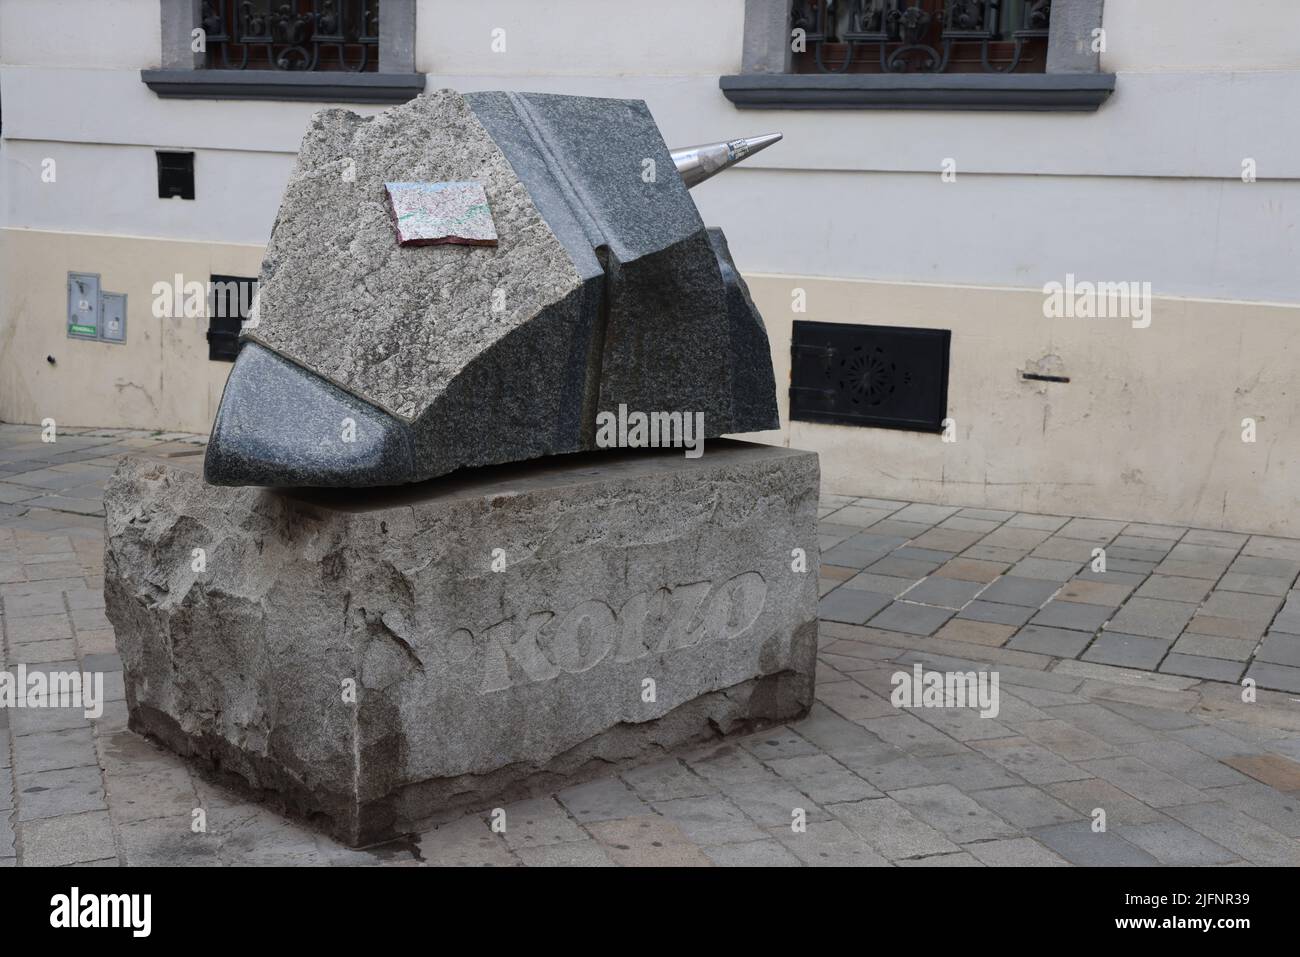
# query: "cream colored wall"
(160, 378)
(1201, 35)
(1148, 428)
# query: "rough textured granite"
(395, 325)
(471, 684)
(610, 291)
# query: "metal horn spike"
(698, 163)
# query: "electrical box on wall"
(93, 313)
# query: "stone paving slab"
(1092, 716)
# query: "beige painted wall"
(160, 378)
(1148, 428)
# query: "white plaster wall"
(1202, 35)
(592, 37)
(99, 34)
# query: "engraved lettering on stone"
(582, 637)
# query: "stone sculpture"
(376, 654)
(604, 288)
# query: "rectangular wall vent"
(175, 175)
(230, 299)
(889, 377)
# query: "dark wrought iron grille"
(338, 35)
(891, 377)
(922, 36)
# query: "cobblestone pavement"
(1108, 701)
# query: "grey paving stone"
(995, 613)
(70, 839)
(536, 822)
(47, 794)
(850, 557)
(912, 735)
(960, 859)
(1070, 742)
(926, 514)
(1232, 604)
(1030, 760)
(1092, 529)
(569, 854)
(852, 605)
(1044, 569)
(892, 829)
(1165, 533)
(829, 844)
(986, 514)
(1191, 569)
(1093, 794)
(910, 618)
(1079, 844)
(1174, 588)
(1201, 536)
(944, 592)
(914, 554)
(1064, 549)
(1025, 807)
(1013, 590)
(1279, 648)
(1212, 669)
(1175, 844)
(1127, 651)
(1000, 554)
(1265, 804)
(887, 585)
(952, 812)
(1149, 785)
(1050, 641)
(1103, 723)
(823, 779)
(778, 742)
(1016, 852)
(902, 567)
(1072, 615)
(1253, 584)
(1265, 567)
(601, 800)
(765, 853)
(1048, 523)
(464, 842)
(1187, 764)
(53, 750)
(858, 516)
(1249, 839)
(711, 820)
(1274, 676)
(966, 523)
(968, 770)
(1152, 618)
(1211, 646)
(1113, 576)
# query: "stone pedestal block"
(367, 659)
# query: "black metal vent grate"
(230, 299)
(175, 175)
(889, 377)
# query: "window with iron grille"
(921, 36)
(292, 35)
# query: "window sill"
(274, 85)
(1044, 92)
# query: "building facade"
(1143, 147)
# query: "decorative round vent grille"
(868, 375)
